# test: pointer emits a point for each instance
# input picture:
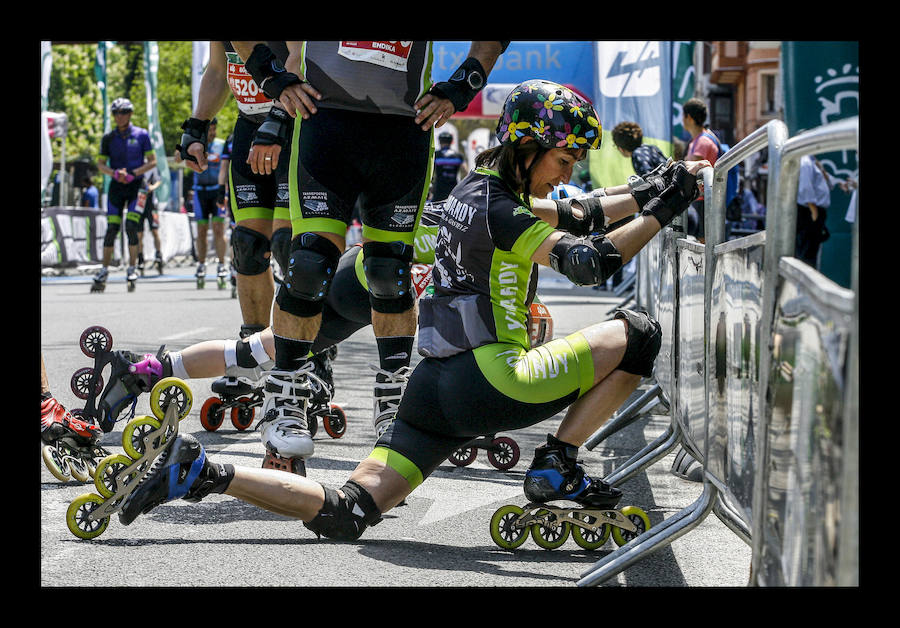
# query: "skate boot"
(131, 277)
(222, 276)
(181, 472)
(201, 276)
(140, 263)
(158, 262)
(556, 475)
(99, 284)
(130, 375)
(71, 444)
(283, 427)
(334, 420)
(389, 387)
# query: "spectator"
(449, 165)
(90, 196)
(703, 145)
(629, 140)
(813, 200)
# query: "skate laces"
(387, 394)
(291, 392)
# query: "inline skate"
(556, 475)
(140, 263)
(131, 277)
(502, 452)
(70, 445)
(284, 427)
(144, 439)
(99, 284)
(201, 276)
(222, 276)
(130, 374)
(389, 387)
(334, 420)
(239, 390)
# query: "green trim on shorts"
(380, 235)
(399, 463)
(247, 213)
(538, 375)
(317, 225)
(113, 219)
(133, 216)
(360, 272)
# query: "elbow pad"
(585, 261)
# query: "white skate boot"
(284, 428)
(388, 391)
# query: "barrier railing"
(716, 304)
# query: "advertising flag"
(151, 71)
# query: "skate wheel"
(587, 538)
(79, 470)
(638, 517)
(335, 422)
(134, 432)
(76, 517)
(107, 471)
(95, 338)
(504, 532)
(211, 414)
(551, 536)
(464, 456)
(168, 390)
(81, 383)
(242, 415)
(54, 462)
(507, 454)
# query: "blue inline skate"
(556, 475)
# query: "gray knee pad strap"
(644, 341)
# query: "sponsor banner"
(633, 83)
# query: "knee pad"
(345, 518)
(387, 266)
(112, 231)
(132, 228)
(249, 250)
(281, 247)
(644, 341)
(311, 266)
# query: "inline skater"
(126, 153)
(146, 205)
(496, 227)
(449, 165)
(209, 201)
(364, 117)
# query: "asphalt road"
(439, 539)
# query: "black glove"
(195, 130)
(275, 129)
(268, 72)
(467, 81)
(220, 195)
(676, 198)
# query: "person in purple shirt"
(126, 153)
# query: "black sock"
(290, 354)
(394, 352)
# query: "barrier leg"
(626, 417)
(650, 454)
(652, 540)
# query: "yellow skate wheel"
(503, 533)
(107, 470)
(76, 517)
(638, 517)
(552, 536)
(170, 390)
(54, 463)
(134, 432)
(586, 538)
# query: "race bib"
(393, 55)
(250, 99)
(141, 200)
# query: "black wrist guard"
(275, 129)
(220, 195)
(467, 81)
(676, 198)
(268, 72)
(195, 130)
(650, 185)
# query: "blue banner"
(564, 62)
(634, 84)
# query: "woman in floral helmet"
(480, 375)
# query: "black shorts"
(384, 161)
(256, 195)
(122, 196)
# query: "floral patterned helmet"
(552, 114)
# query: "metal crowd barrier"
(716, 303)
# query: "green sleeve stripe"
(399, 463)
(149, 152)
(531, 239)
